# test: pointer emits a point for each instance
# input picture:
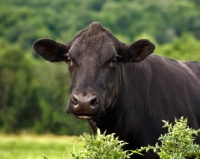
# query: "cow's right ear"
(50, 50)
(139, 50)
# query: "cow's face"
(94, 57)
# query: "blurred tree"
(13, 84)
(183, 48)
(32, 98)
(60, 19)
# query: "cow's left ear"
(51, 50)
(139, 50)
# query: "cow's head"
(94, 57)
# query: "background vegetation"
(34, 93)
(177, 143)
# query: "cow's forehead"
(94, 42)
(95, 28)
(93, 49)
(95, 33)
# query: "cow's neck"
(107, 122)
(126, 109)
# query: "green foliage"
(183, 48)
(23, 21)
(33, 95)
(100, 146)
(178, 143)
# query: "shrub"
(100, 146)
(178, 143)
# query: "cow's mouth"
(85, 116)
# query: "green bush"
(178, 143)
(100, 146)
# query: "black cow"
(122, 88)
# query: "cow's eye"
(67, 58)
(115, 60)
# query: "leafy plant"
(45, 157)
(178, 143)
(100, 146)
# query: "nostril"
(74, 100)
(81, 101)
(94, 101)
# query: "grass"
(34, 146)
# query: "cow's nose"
(87, 101)
(83, 105)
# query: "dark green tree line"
(61, 19)
(33, 94)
